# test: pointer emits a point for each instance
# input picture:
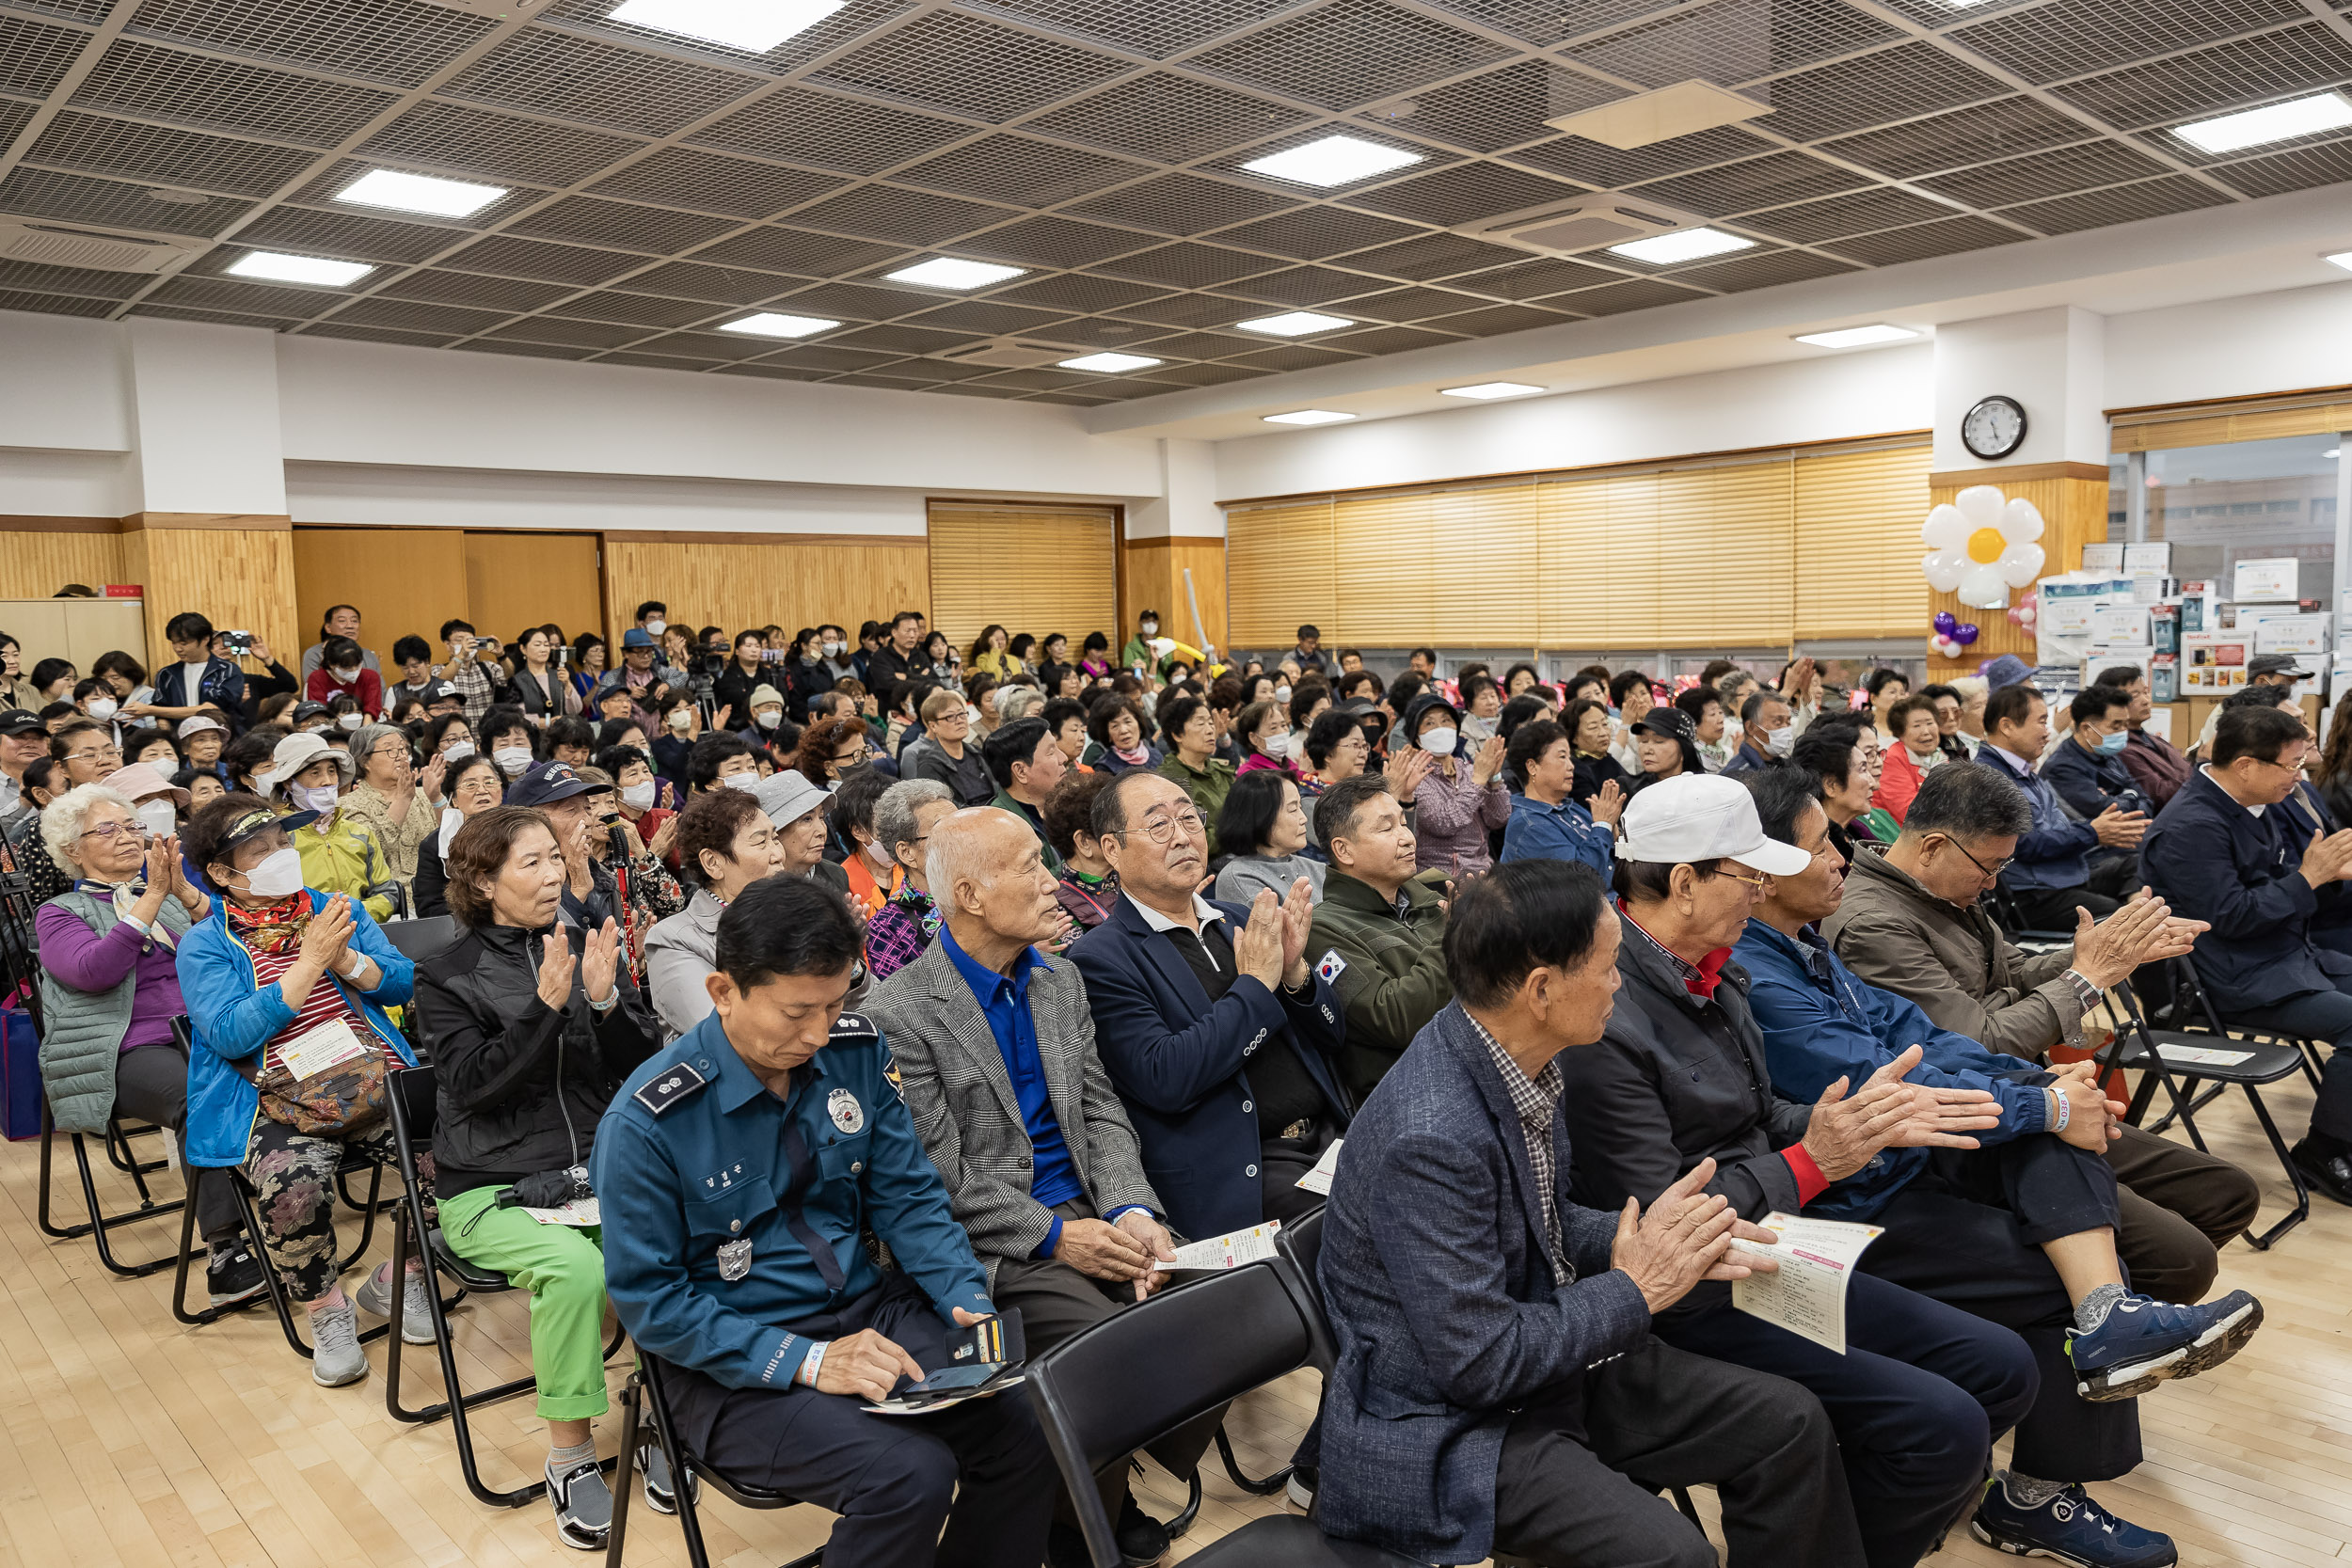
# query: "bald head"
(987, 871)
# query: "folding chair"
(1144, 1371)
(420, 938)
(414, 1110)
(120, 1155)
(645, 1388)
(2270, 1055)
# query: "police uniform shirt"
(730, 1214)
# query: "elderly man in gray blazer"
(994, 1046)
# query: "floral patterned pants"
(294, 1176)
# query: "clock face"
(1995, 427)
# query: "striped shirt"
(1538, 1102)
(326, 1002)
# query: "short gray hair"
(363, 743)
(1018, 701)
(61, 820)
(896, 811)
(1968, 801)
(954, 853)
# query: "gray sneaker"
(416, 1313)
(660, 1488)
(335, 1357)
(583, 1505)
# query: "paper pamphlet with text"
(1807, 1297)
(1230, 1251)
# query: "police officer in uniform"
(737, 1170)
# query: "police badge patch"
(735, 1259)
(846, 1114)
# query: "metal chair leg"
(1265, 1488)
(2302, 1193)
(624, 1470)
(100, 1224)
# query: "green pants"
(563, 1268)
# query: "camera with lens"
(237, 642)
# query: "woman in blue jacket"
(286, 990)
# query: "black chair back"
(418, 939)
(1300, 1243)
(415, 1108)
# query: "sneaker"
(335, 1357)
(583, 1505)
(1300, 1488)
(234, 1273)
(416, 1313)
(2145, 1341)
(1142, 1540)
(660, 1488)
(2069, 1527)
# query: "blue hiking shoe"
(2145, 1341)
(2069, 1527)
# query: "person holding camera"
(539, 687)
(533, 1025)
(472, 668)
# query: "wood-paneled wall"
(399, 579)
(2073, 507)
(238, 571)
(740, 581)
(515, 580)
(1152, 577)
(41, 555)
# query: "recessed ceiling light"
(2297, 116)
(946, 272)
(1491, 389)
(1857, 337)
(297, 269)
(1332, 160)
(1687, 244)
(418, 193)
(2342, 258)
(1295, 323)
(757, 26)
(768, 324)
(1309, 416)
(1109, 364)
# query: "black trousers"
(1968, 1231)
(152, 1083)
(1583, 1463)
(1916, 1401)
(1281, 1163)
(2179, 1207)
(981, 1469)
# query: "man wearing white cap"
(1679, 1077)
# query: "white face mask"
(681, 721)
(512, 760)
(768, 717)
(1276, 745)
(158, 816)
(1282, 693)
(457, 751)
(319, 728)
(102, 707)
(655, 628)
(833, 650)
(317, 797)
(638, 797)
(741, 781)
(452, 819)
(1151, 629)
(1438, 742)
(278, 875)
(346, 673)
(1779, 743)
(972, 713)
(350, 720)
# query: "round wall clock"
(1994, 428)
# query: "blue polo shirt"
(1004, 1000)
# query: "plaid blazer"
(960, 1093)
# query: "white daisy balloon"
(1981, 546)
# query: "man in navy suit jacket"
(1216, 1033)
(1498, 1388)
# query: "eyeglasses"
(1756, 882)
(843, 759)
(107, 833)
(102, 751)
(1990, 871)
(1162, 831)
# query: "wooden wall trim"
(60, 525)
(2165, 412)
(158, 522)
(2019, 473)
(1649, 465)
(878, 541)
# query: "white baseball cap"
(1703, 817)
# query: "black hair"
(1518, 917)
(1429, 653)
(1469, 687)
(1530, 741)
(1244, 824)
(1582, 681)
(2259, 733)
(1311, 688)
(570, 732)
(1336, 807)
(1883, 677)
(1329, 728)
(1823, 755)
(609, 760)
(1621, 684)
(2011, 705)
(1175, 715)
(1110, 706)
(200, 839)
(2095, 702)
(2244, 696)
(503, 720)
(455, 624)
(1935, 692)
(49, 671)
(1096, 639)
(2118, 675)
(1695, 701)
(1308, 630)
(1012, 743)
(430, 739)
(1511, 674)
(335, 652)
(914, 615)
(1403, 689)
(1572, 717)
(187, 627)
(114, 661)
(1109, 815)
(1782, 794)
(1648, 881)
(1060, 711)
(653, 607)
(854, 802)
(710, 749)
(411, 646)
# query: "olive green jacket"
(1208, 789)
(1391, 969)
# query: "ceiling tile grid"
(659, 187)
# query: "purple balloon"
(1965, 633)
(1946, 620)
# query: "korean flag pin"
(846, 1114)
(1332, 966)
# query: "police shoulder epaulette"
(666, 1091)
(854, 1026)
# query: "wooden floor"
(131, 1440)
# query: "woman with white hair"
(392, 799)
(110, 991)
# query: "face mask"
(102, 707)
(457, 751)
(1151, 629)
(2112, 745)
(655, 628)
(317, 797)
(1276, 745)
(1779, 743)
(512, 760)
(831, 785)
(768, 717)
(452, 819)
(972, 713)
(1438, 742)
(158, 816)
(638, 797)
(681, 721)
(741, 781)
(319, 728)
(346, 673)
(833, 650)
(1282, 693)
(278, 875)
(350, 720)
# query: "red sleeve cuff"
(1811, 1183)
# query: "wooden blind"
(1026, 569)
(1857, 544)
(2221, 424)
(1739, 554)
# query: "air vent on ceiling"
(1584, 223)
(1005, 353)
(57, 245)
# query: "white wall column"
(2052, 361)
(203, 415)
